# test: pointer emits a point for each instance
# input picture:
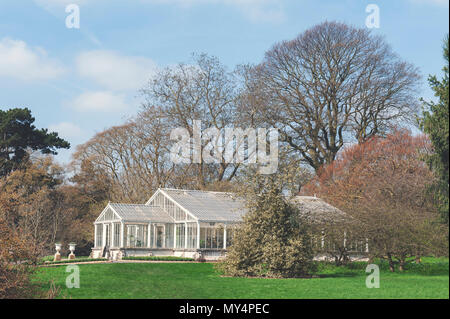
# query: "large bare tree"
(133, 156)
(331, 85)
(202, 91)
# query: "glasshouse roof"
(141, 213)
(208, 206)
(317, 210)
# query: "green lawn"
(196, 280)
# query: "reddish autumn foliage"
(383, 184)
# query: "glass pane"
(99, 235)
(116, 235)
(169, 236)
(180, 233)
(108, 235)
(219, 237)
(202, 237)
(159, 236)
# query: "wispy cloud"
(114, 71)
(67, 130)
(22, 62)
(98, 102)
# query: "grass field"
(200, 280)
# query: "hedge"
(159, 258)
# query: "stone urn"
(58, 254)
(72, 249)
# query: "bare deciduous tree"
(331, 85)
(203, 91)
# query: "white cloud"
(98, 101)
(115, 72)
(19, 61)
(67, 130)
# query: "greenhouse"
(172, 223)
(190, 223)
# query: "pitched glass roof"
(217, 207)
(208, 206)
(141, 213)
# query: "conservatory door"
(108, 235)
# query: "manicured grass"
(200, 280)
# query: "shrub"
(271, 242)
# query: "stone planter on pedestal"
(72, 249)
(58, 254)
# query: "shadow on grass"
(339, 275)
(434, 268)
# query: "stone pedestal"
(57, 256)
(72, 249)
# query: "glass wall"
(211, 237)
(169, 235)
(180, 235)
(191, 235)
(159, 236)
(108, 234)
(116, 231)
(99, 238)
(163, 235)
(136, 235)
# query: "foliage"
(37, 201)
(18, 135)
(435, 123)
(272, 241)
(15, 274)
(382, 184)
(28, 202)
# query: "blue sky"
(81, 81)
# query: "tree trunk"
(391, 263)
(402, 264)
